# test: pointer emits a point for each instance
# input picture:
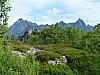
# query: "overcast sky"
(52, 11)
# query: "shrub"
(53, 47)
(20, 48)
(47, 55)
(55, 70)
(11, 64)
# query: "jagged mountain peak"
(20, 27)
(62, 22)
(20, 19)
(78, 24)
(80, 20)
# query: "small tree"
(4, 9)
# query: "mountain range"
(78, 24)
(21, 26)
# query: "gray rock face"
(20, 27)
(78, 24)
(62, 24)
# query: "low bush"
(20, 48)
(52, 47)
(55, 70)
(47, 55)
(11, 64)
(63, 49)
(79, 61)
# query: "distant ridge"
(78, 24)
(21, 26)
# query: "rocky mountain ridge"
(21, 26)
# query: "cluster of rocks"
(32, 50)
(19, 53)
(57, 61)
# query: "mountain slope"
(20, 27)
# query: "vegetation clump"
(45, 56)
(20, 48)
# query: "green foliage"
(87, 65)
(55, 70)
(97, 26)
(90, 42)
(56, 34)
(35, 32)
(33, 39)
(4, 9)
(11, 64)
(63, 49)
(47, 55)
(14, 40)
(20, 48)
(52, 35)
(80, 61)
(3, 30)
(73, 35)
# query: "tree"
(4, 9)
(52, 35)
(97, 26)
(73, 35)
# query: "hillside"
(27, 48)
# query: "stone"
(54, 62)
(64, 59)
(19, 53)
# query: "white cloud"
(55, 10)
(88, 10)
(44, 17)
(41, 3)
(19, 10)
